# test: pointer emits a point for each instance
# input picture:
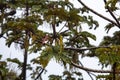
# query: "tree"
(111, 54)
(65, 43)
(5, 72)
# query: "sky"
(99, 32)
(55, 68)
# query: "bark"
(26, 44)
(114, 70)
(24, 65)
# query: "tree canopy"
(21, 23)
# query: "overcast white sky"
(100, 32)
(54, 68)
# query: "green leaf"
(111, 4)
(0, 57)
(108, 27)
(46, 56)
(87, 34)
(14, 60)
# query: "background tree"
(66, 43)
(110, 55)
(7, 72)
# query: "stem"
(26, 44)
(24, 65)
(114, 67)
(54, 27)
(27, 8)
(54, 31)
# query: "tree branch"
(39, 75)
(114, 70)
(109, 10)
(93, 70)
(84, 49)
(86, 71)
(96, 13)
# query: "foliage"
(6, 73)
(67, 75)
(66, 21)
(110, 55)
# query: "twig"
(109, 10)
(39, 75)
(98, 14)
(92, 70)
(62, 28)
(3, 37)
(84, 49)
(86, 71)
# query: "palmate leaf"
(108, 56)
(111, 4)
(111, 40)
(87, 34)
(53, 52)
(116, 38)
(55, 77)
(15, 60)
(13, 38)
(16, 31)
(108, 27)
(107, 77)
(38, 40)
(74, 17)
(55, 8)
(90, 22)
(61, 57)
(79, 39)
(46, 56)
(9, 42)
(3, 69)
(107, 40)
